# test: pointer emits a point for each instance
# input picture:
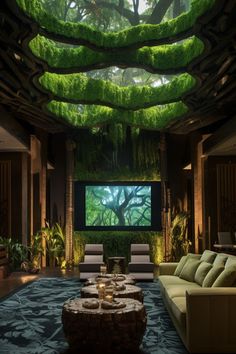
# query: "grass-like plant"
(153, 59)
(135, 36)
(157, 118)
(78, 88)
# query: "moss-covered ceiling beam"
(155, 118)
(170, 31)
(78, 88)
(164, 59)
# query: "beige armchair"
(93, 259)
(140, 267)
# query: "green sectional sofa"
(200, 295)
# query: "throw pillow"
(220, 260)
(183, 260)
(201, 272)
(231, 261)
(226, 278)
(208, 256)
(212, 275)
(189, 269)
(180, 265)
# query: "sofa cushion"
(183, 260)
(180, 289)
(226, 278)
(201, 272)
(171, 280)
(220, 259)
(212, 275)
(178, 307)
(189, 269)
(208, 256)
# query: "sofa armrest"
(211, 320)
(167, 268)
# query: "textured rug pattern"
(30, 320)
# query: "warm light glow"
(188, 167)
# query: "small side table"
(116, 265)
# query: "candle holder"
(103, 269)
(101, 290)
(109, 293)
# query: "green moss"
(154, 59)
(117, 243)
(78, 88)
(150, 118)
(138, 35)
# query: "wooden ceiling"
(212, 101)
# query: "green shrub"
(117, 243)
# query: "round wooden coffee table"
(130, 291)
(104, 330)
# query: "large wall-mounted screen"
(126, 206)
(118, 205)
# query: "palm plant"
(55, 246)
(16, 252)
(36, 250)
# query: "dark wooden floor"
(17, 279)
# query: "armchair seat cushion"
(90, 267)
(141, 267)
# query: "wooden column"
(24, 209)
(70, 146)
(198, 195)
(42, 189)
(165, 197)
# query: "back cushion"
(189, 269)
(180, 265)
(201, 272)
(140, 248)
(220, 260)
(93, 248)
(212, 275)
(231, 261)
(226, 278)
(183, 260)
(208, 256)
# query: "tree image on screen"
(118, 205)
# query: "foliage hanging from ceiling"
(81, 35)
(117, 152)
(137, 36)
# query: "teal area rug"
(30, 319)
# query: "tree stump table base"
(104, 330)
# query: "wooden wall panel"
(226, 197)
(5, 198)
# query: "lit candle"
(108, 298)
